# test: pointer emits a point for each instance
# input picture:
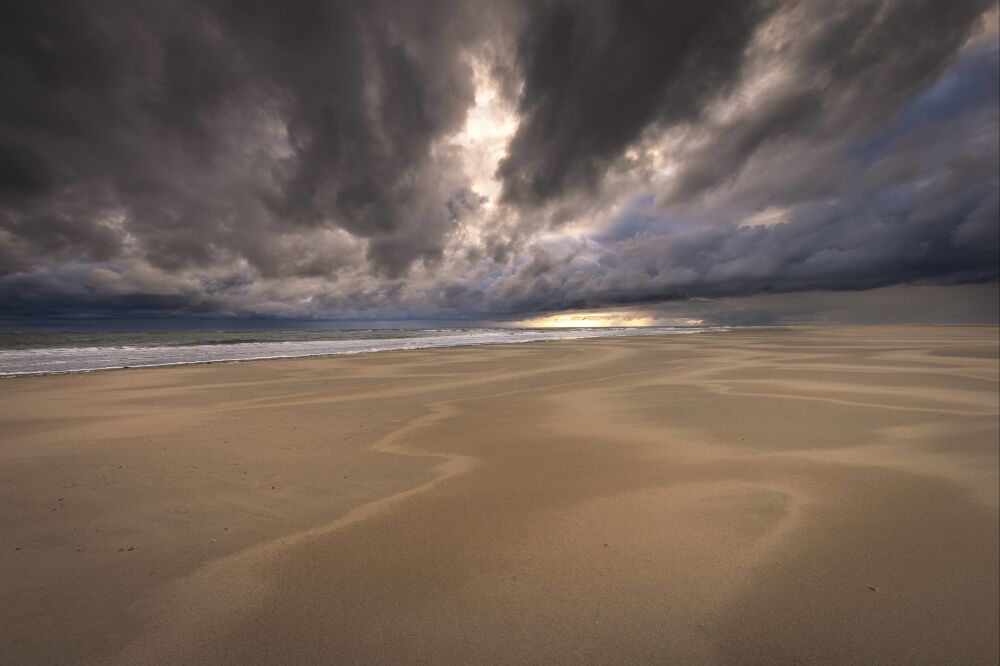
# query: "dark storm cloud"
(597, 74)
(858, 64)
(66, 292)
(368, 90)
(307, 158)
(211, 126)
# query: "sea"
(48, 352)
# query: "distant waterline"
(59, 352)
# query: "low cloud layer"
(484, 161)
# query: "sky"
(527, 163)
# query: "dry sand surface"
(753, 496)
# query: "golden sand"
(761, 496)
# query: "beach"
(809, 494)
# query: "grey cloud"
(599, 75)
(212, 126)
(926, 211)
(596, 75)
(857, 65)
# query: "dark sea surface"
(68, 351)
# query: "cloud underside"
(489, 159)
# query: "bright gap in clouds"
(489, 125)
(589, 320)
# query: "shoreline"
(44, 373)
(714, 329)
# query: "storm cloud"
(402, 160)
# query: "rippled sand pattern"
(754, 496)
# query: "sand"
(753, 496)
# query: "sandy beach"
(754, 496)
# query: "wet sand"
(753, 496)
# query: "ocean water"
(52, 352)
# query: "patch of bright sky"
(605, 319)
(589, 320)
(768, 217)
(489, 125)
